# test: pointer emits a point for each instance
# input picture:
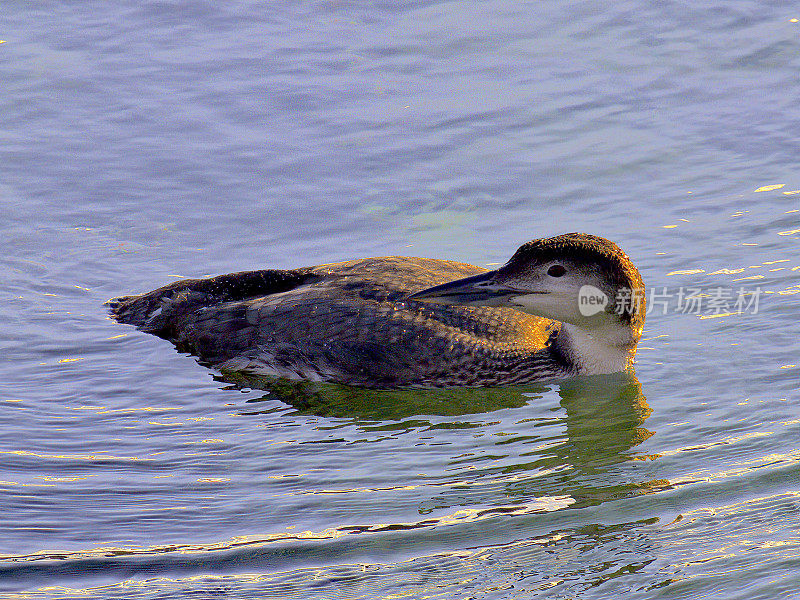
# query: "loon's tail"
(132, 310)
(160, 312)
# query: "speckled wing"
(347, 322)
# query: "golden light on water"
(686, 272)
(140, 409)
(725, 271)
(82, 457)
(727, 314)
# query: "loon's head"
(584, 281)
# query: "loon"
(399, 322)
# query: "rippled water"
(143, 141)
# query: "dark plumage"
(352, 322)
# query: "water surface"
(152, 140)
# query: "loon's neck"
(592, 352)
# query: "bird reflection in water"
(570, 450)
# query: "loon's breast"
(350, 323)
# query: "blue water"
(142, 141)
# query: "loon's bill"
(478, 290)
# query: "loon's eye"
(556, 271)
